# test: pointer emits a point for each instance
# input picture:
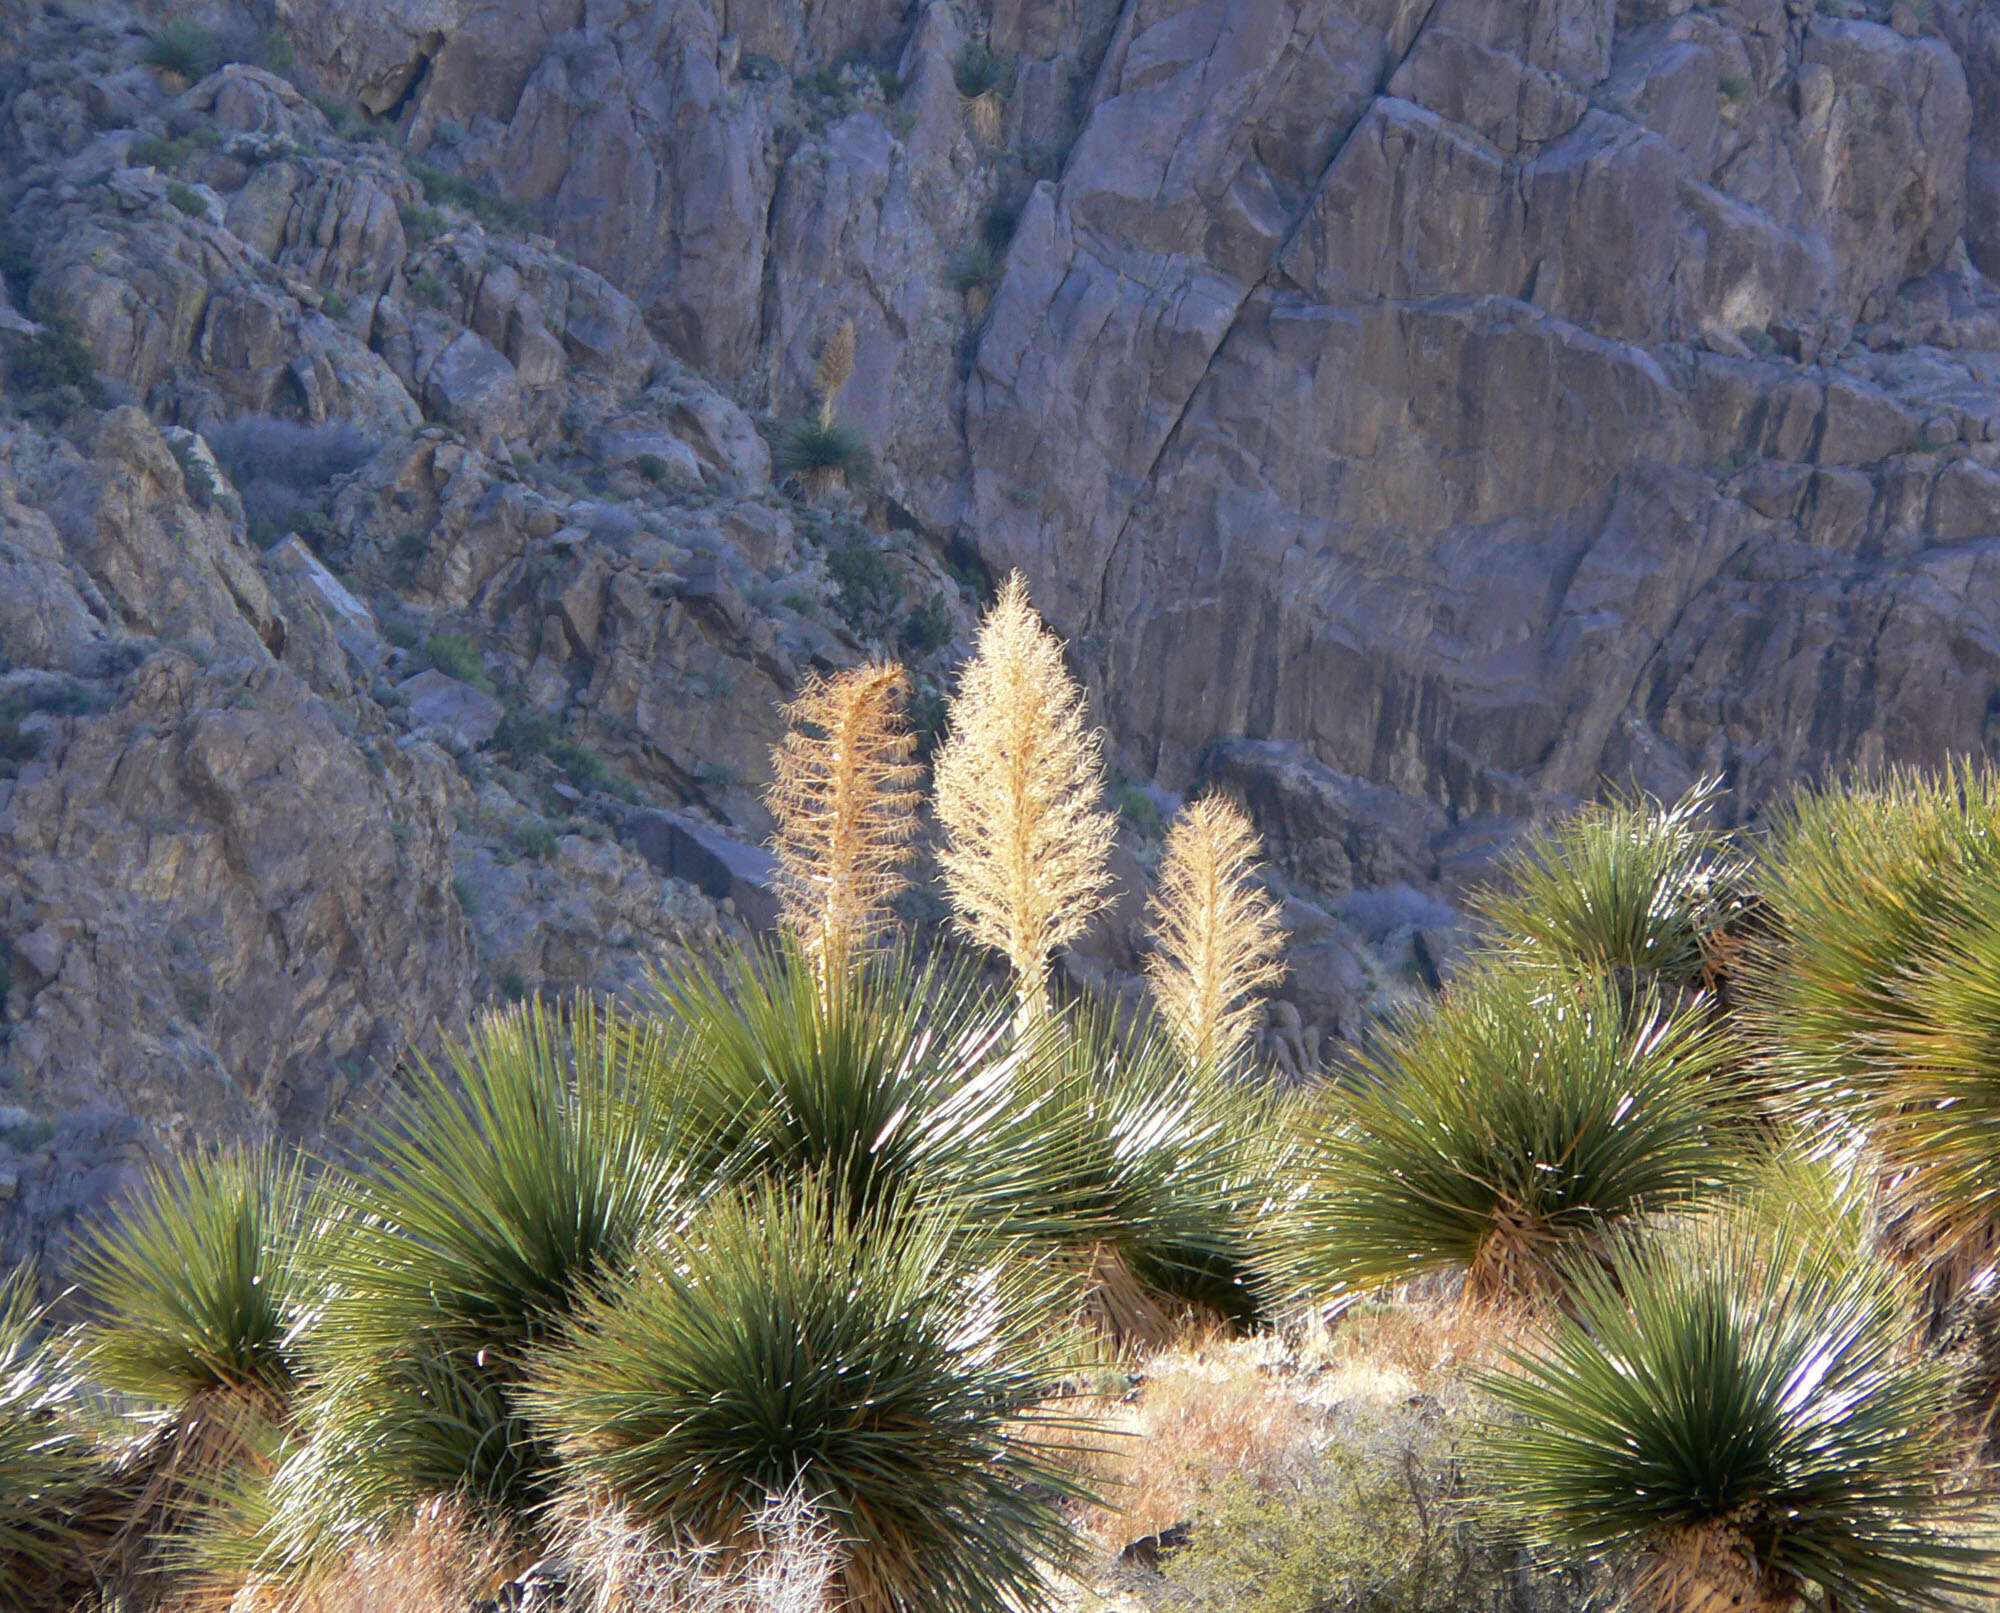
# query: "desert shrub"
(20, 744)
(536, 840)
(869, 587)
(997, 225)
(1738, 1418)
(456, 656)
(1623, 886)
(17, 263)
(820, 455)
(928, 626)
(183, 199)
(651, 466)
(502, 1186)
(1523, 1119)
(200, 1293)
(589, 771)
(421, 224)
(973, 268)
(53, 360)
(978, 69)
(184, 48)
(428, 291)
(47, 1462)
(1374, 1518)
(1140, 812)
(495, 211)
(525, 735)
(1932, 1098)
(783, 1341)
(284, 470)
(158, 151)
(188, 50)
(1164, 1168)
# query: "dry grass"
(1213, 1406)
(443, 1561)
(624, 1569)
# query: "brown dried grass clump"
(787, 1565)
(1213, 1408)
(443, 1561)
(843, 794)
(1217, 934)
(1019, 783)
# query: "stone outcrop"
(1519, 436)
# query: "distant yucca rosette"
(1216, 933)
(1018, 787)
(843, 794)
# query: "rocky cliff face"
(1418, 414)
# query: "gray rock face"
(1507, 432)
(1435, 393)
(221, 909)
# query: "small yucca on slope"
(843, 794)
(1216, 930)
(1018, 788)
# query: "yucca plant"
(505, 1184)
(1740, 1422)
(820, 455)
(818, 450)
(1859, 880)
(1164, 1169)
(47, 1461)
(1019, 785)
(981, 73)
(898, 1076)
(879, 1364)
(1623, 886)
(1526, 1116)
(1931, 1105)
(199, 1286)
(201, 1291)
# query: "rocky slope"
(1418, 414)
